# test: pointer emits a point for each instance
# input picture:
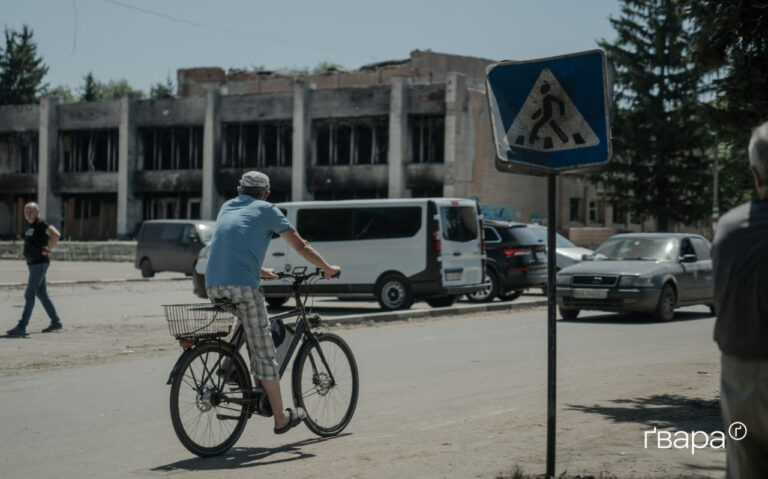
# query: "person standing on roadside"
(39, 239)
(740, 262)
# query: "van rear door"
(460, 243)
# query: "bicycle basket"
(197, 320)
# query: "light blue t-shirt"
(244, 228)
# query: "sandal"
(297, 417)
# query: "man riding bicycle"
(244, 228)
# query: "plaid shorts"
(252, 312)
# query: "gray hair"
(758, 151)
(255, 191)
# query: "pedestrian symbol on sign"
(541, 127)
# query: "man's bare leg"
(272, 387)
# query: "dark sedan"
(640, 272)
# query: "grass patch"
(518, 473)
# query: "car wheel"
(277, 301)
(442, 301)
(393, 292)
(665, 310)
(488, 293)
(146, 268)
(569, 314)
(511, 295)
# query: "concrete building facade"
(416, 127)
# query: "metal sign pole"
(551, 322)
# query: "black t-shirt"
(740, 262)
(35, 240)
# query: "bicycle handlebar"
(303, 277)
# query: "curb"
(93, 281)
(431, 313)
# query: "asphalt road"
(453, 397)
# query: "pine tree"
(162, 90)
(21, 69)
(659, 139)
(91, 89)
(730, 45)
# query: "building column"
(456, 133)
(398, 137)
(211, 200)
(47, 170)
(128, 206)
(302, 142)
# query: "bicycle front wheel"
(325, 384)
(209, 411)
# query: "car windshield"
(560, 240)
(634, 248)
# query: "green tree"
(91, 89)
(94, 90)
(729, 44)
(21, 69)
(64, 93)
(163, 90)
(660, 168)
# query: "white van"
(394, 250)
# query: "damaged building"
(412, 128)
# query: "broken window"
(427, 138)
(18, 152)
(351, 141)
(88, 150)
(171, 148)
(166, 206)
(348, 194)
(89, 216)
(259, 144)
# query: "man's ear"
(239, 191)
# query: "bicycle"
(212, 397)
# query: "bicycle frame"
(301, 332)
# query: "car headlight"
(636, 281)
(563, 279)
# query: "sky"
(145, 41)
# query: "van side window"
(383, 223)
(151, 232)
(459, 223)
(332, 224)
(187, 234)
(171, 232)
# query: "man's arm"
(306, 251)
(53, 235)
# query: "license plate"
(590, 293)
(453, 275)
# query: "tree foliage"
(64, 92)
(94, 90)
(163, 90)
(730, 47)
(21, 69)
(660, 168)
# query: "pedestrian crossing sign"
(551, 114)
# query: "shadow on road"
(244, 457)
(664, 411)
(637, 318)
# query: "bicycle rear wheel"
(325, 384)
(207, 411)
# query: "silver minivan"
(171, 245)
(394, 250)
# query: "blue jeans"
(36, 287)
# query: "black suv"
(516, 260)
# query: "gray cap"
(254, 178)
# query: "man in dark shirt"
(39, 239)
(740, 262)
